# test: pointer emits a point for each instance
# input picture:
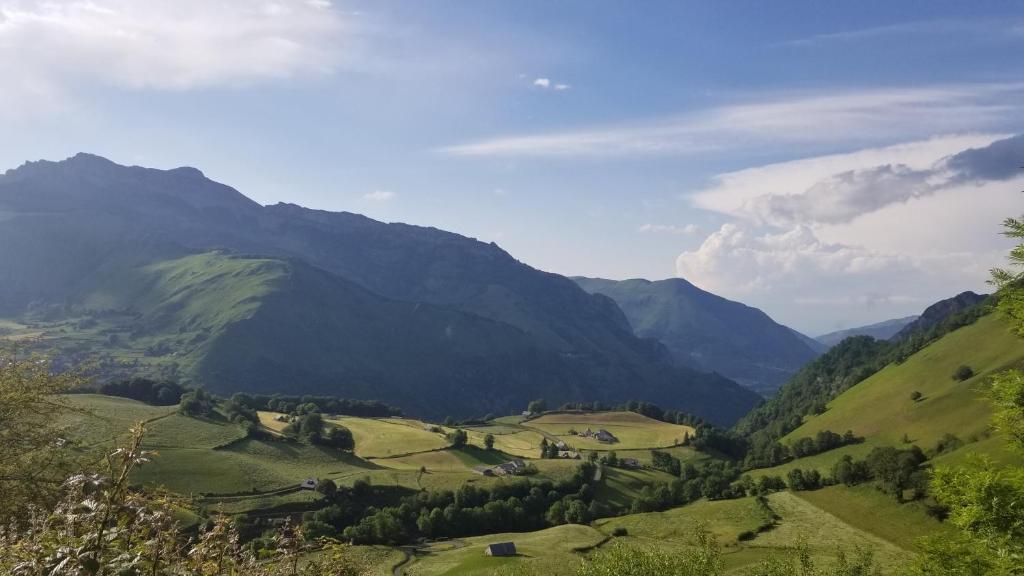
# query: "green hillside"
(130, 265)
(882, 411)
(259, 324)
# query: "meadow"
(553, 551)
(632, 430)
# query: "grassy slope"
(880, 408)
(871, 511)
(634, 431)
(99, 419)
(549, 552)
(383, 437)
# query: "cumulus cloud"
(686, 230)
(380, 196)
(154, 44)
(859, 240)
(820, 285)
(735, 259)
(804, 120)
(542, 82)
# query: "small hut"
(501, 549)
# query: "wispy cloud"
(685, 230)
(149, 44)
(807, 119)
(977, 27)
(542, 82)
(380, 196)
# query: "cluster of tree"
(765, 453)
(893, 470)
(519, 506)
(157, 393)
(848, 363)
(311, 428)
(198, 403)
(323, 404)
(237, 411)
(712, 480)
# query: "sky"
(834, 164)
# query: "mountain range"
(170, 273)
(709, 332)
(879, 331)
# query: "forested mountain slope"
(113, 260)
(707, 331)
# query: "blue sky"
(790, 155)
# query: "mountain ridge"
(709, 332)
(103, 220)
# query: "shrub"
(915, 395)
(620, 531)
(963, 373)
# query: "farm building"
(630, 463)
(308, 484)
(501, 549)
(605, 436)
(569, 454)
(511, 468)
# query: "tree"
(311, 427)
(197, 403)
(537, 406)
(985, 500)
(458, 438)
(340, 437)
(33, 460)
(327, 487)
(489, 442)
(962, 373)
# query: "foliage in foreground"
(983, 500)
(101, 526)
(32, 460)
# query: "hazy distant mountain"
(708, 332)
(939, 311)
(879, 331)
(118, 260)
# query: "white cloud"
(686, 230)
(860, 241)
(380, 196)
(817, 285)
(546, 83)
(801, 121)
(840, 178)
(47, 47)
